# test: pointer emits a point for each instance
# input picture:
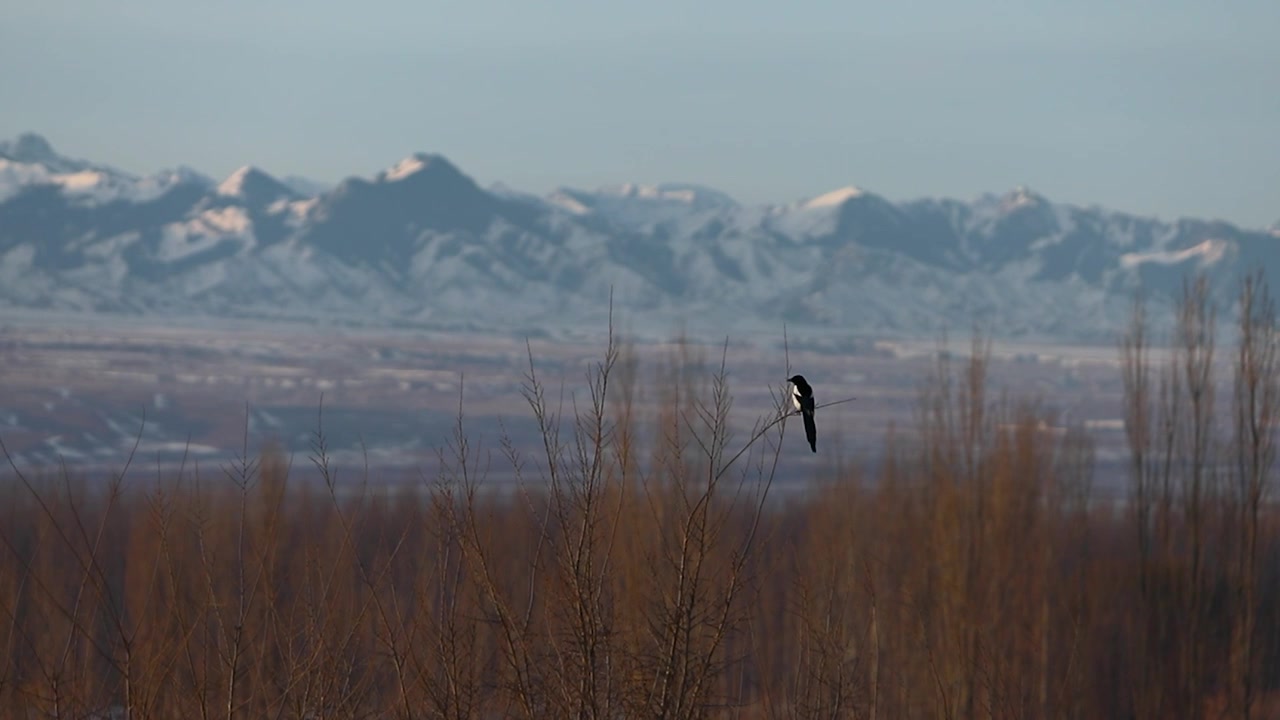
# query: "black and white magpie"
(802, 398)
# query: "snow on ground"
(146, 448)
(63, 450)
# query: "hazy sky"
(1169, 108)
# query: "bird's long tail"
(811, 431)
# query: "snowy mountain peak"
(405, 168)
(1020, 197)
(250, 183)
(639, 190)
(420, 243)
(184, 174)
(417, 164)
(35, 152)
(640, 207)
(234, 184)
(28, 148)
(835, 197)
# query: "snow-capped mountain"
(30, 161)
(642, 207)
(420, 243)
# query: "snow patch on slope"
(567, 202)
(296, 210)
(669, 192)
(231, 220)
(1021, 196)
(835, 197)
(234, 184)
(1208, 252)
(95, 186)
(405, 168)
(111, 247)
(644, 207)
(803, 222)
(204, 232)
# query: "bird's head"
(795, 379)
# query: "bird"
(802, 398)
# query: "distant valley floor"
(82, 391)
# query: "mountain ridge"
(420, 243)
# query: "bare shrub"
(641, 565)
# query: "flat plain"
(82, 392)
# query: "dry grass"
(971, 576)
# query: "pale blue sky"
(1168, 108)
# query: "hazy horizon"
(1165, 110)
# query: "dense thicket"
(971, 575)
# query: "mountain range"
(421, 244)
